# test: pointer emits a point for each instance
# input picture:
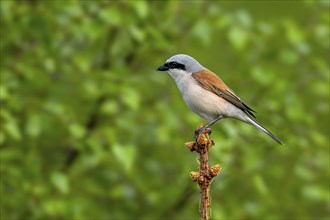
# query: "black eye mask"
(175, 65)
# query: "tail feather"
(257, 125)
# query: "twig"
(205, 174)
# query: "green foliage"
(89, 129)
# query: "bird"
(207, 95)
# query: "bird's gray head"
(181, 62)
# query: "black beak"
(163, 67)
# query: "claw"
(201, 130)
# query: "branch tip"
(192, 146)
(194, 176)
(215, 170)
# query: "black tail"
(257, 125)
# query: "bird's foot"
(204, 129)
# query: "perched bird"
(207, 95)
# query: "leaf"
(111, 16)
(141, 7)
(77, 130)
(203, 31)
(260, 184)
(131, 98)
(13, 131)
(238, 37)
(60, 181)
(125, 154)
(33, 126)
(109, 107)
(293, 33)
(3, 92)
(137, 33)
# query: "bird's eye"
(173, 64)
(176, 65)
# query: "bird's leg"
(200, 131)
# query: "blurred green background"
(89, 129)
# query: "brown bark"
(205, 174)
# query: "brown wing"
(210, 81)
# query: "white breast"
(203, 102)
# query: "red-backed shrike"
(206, 94)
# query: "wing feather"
(211, 82)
